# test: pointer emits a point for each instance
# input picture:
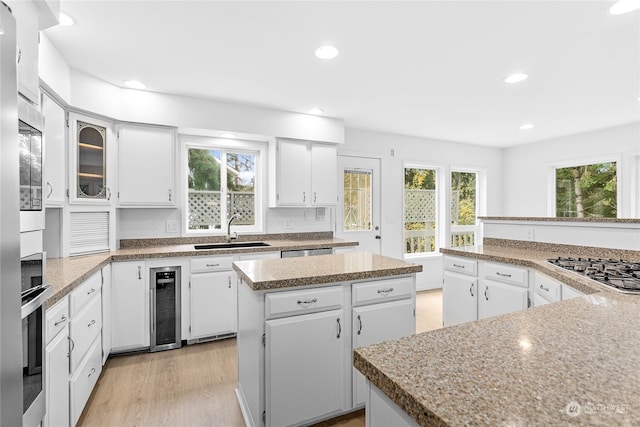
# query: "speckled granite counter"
(262, 275)
(519, 369)
(64, 274)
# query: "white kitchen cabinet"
(539, 300)
(84, 379)
(129, 306)
(547, 288)
(55, 152)
(568, 293)
(146, 165)
(57, 364)
(459, 298)
(383, 412)
(305, 367)
(499, 298)
(27, 38)
(213, 304)
(302, 174)
(106, 312)
(375, 323)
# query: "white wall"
(527, 168)
(432, 152)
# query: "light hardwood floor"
(194, 386)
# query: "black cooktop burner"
(616, 273)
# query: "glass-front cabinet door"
(89, 141)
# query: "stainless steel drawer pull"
(471, 289)
(93, 322)
(93, 371)
(502, 274)
(339, 328)
(91, 291)
(486, 288)
(543, 288)
(307, 301)
(359, 325)
(212, 265)
(385, 290)
(458, 266)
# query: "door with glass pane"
(358, 210)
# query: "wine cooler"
(164, 301)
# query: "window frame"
(225, 145)
(479, 207)
(584, 161)
(440, 193)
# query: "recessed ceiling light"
(135, 84)
(315, 111)
(527, 126)
(624, 6)
(326, 52)
(65, 20)
(516, 78)
(227, 135)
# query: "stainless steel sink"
(232, 245)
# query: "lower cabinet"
(84, 379)
(305, 367)
(57, 379)
(129, 306)
(213, 304)
(499, 298)
(459, 298)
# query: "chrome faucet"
(235, 235)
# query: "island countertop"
(576, 362)
(268, 274)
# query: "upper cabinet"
(90, 177)
(302, 173)
(26, 15)
(146, 164)
(54, 151)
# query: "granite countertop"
(520, 369)
(65, 274)
(268, 274)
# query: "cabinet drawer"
(292, 303)
(83, 293)
(211, 264)
(57, 318)
(505, 273)
(85, 327)
(382, 291)
(461, 265)
(568, 293)
(548, 288)
(83, 381)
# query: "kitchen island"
(575, 362)
(298, 322)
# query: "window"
(420, 210)
(463, 208)
(222, 181)
(587, 191)
(357, 200)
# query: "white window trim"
(200, 142)
(481, 183)
(440, 194)
(607, 158)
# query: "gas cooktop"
(620, 275)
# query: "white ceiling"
(432, 69)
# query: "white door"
(293, 173)
(498, 298)
(376, 323)
(459, 299)
(55, 153)
(213, 304)
(358, 211)
(305, 367)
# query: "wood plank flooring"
(195, 385)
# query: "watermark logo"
(573, 409)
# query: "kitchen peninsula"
(298, 322)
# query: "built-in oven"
(30, 138)
(34, 294)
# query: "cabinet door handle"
(93, 371)
(543, 288)
(229, 282)
(385, 291)
(339, 328)
(91, 291)
(153, 312)
(50, 189)
(93, 322)
(19, 55)
(108, 193)
(62, 320)
(486, 288)
(502, 274)
(169, 194)
(359, 325)
(73, 345)
(307, 301)
(315, 197)
(304, 196)
(139, 272)
(471, 289)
